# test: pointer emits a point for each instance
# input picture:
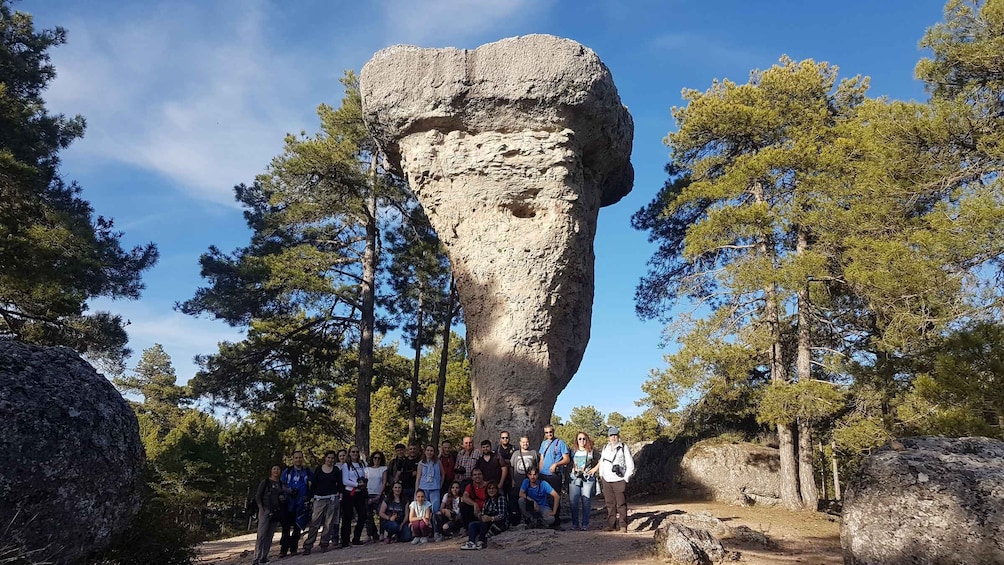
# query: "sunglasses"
(581, 438)
(503, 437)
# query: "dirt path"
(797, 538)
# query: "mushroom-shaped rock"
(511, 148)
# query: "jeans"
(533, 511)
(393, 528)
(479, 531)
(325, 515)
(580, 494)
(353, 504)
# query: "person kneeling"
(492, 521)
(538, 502)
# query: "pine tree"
(55, 255)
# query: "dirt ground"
(811, 538)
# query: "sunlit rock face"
(512, 149)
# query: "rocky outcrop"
(70, 455)
(929, 500)
(511, 148)
(736, 473)
(656, 467)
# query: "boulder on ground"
(736, 473)
(71, 459)
(929, 500)
(681, 545)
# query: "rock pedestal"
(927, 500)
(71, 460)
(512, 149)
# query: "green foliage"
(55, 256)
(458, 405)
(811, 401)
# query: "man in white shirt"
(616, 468)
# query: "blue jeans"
(580, 494)
(402, 531)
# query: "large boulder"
(736, 473)
(927, 500)
(71, 460)
(511, 149)
(656, 467)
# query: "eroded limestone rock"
(511, 148)
(736, 473)
(927, 500)
(71, 460)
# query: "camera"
(617, 470)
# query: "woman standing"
(430, 479)
(271, 497)
(376, 481)
(326, 491)
(392, 514)
(354, 497)
(585, 465)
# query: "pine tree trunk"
(367, 320)
(416, 365)
(803, 372)
(444, 358)
(806, 472)
(836, 473)
(785, 433)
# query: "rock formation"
(927, 500)
(511, 148)
(737, 473)
(70, 454)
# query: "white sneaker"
(468, 545)
(423, 540)
(479, 545)
(438, 538)
(416, 541)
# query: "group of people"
(421, 497)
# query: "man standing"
(298, 479)
(449, 461)
(493, 467)
(538, 502)
(616, 468)
(466, 458)
(409, 471)
(522, 460)
(554, 455)
(505, 451)
(397, 464)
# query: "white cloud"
(182, 336)
(198, 97)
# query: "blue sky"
(186, 99)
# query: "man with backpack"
(297, 478)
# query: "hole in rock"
(521, 210)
